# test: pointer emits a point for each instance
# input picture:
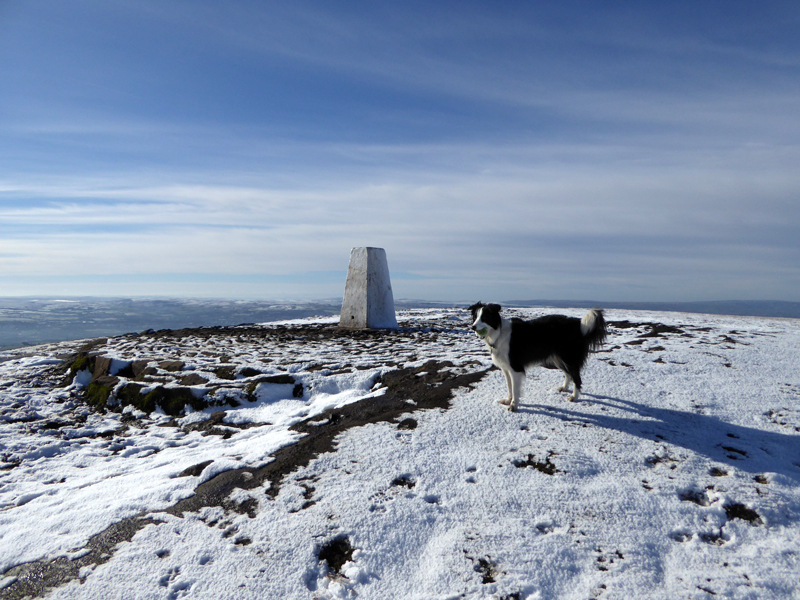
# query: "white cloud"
(547, 230)
(620, 157)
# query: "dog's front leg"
(517, 379)
(510, 397)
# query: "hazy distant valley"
(30, 321)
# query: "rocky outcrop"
(147, 385)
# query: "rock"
(109, 380)
(279, 379)
(297, 391)
(193, 379)
(99, 390)
(225, 372)
(249, 372)
(126, 371)
(102, 365)
(129, 394)
(172, 400)
(140, 369)
(171, 365)
(195, 470)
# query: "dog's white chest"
(499, 353)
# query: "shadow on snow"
(745, 448)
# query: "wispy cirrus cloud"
(544, 150)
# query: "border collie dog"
(552, 341)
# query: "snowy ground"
(677, 474)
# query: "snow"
(636, 491)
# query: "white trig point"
(368, 300)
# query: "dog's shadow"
(745, 448)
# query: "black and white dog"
(552, 341)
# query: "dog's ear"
(495, 307)
(475, 308)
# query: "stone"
(171, 365)
(193, 379)
(102, 366)
(139, 368)
(368, 301)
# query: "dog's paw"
(563, 388)
(512, 408)
(505, 401)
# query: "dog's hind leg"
(575, 374)
(559, 362)
(510, 396)
(517, 379)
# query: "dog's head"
(485, 319)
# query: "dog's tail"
(593, 328)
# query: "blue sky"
(518, 150)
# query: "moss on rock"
(97, 395)
(130, 394)
(82, 362)
(171, 400)
(225, 372)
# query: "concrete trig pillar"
(368, 300)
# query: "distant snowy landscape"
(298, 460)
